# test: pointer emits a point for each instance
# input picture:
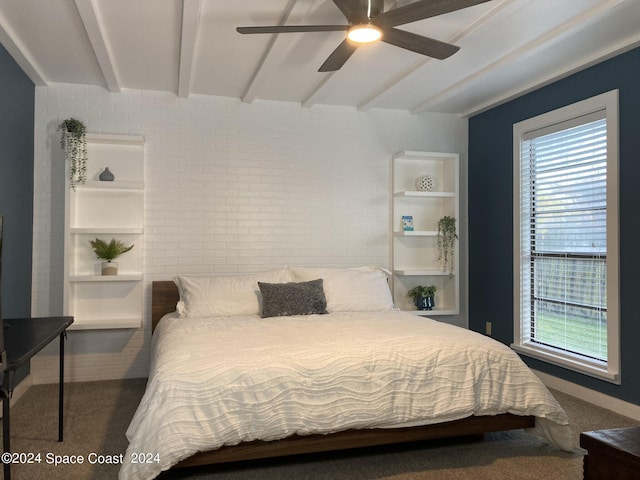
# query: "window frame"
(609, 370)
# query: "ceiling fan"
(368, 22)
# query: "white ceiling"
(190, 47)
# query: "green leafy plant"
(447, 237)
(109, 251)
(422, 291)
(73, 141)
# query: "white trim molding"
(594, 397)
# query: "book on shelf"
(407, 223)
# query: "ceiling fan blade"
(353, 10)
(421, 10)
(339, 57)
(419, 44)
(293, 29)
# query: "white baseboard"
(20, 390)
(596, 398)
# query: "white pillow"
(357, 289)
(224, 296)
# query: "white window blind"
(563, 221)
(565, 217)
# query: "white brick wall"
(230, 188)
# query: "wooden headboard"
(164, 297)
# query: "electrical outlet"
(487, 328)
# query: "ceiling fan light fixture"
(364, 33)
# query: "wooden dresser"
(612, 454)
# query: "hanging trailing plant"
(73, 141)
(447, 237)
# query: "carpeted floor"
(98, 413)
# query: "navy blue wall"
(16, 187)
(491, 211)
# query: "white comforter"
(221, 381)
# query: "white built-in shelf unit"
(414, 253)
(106, 210)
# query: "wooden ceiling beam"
(12, 43)
(468, 29)
(267, 62)
(95, 31)
(191, 10)
(543, 42)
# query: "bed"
(300, 360)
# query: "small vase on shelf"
(423, 296)
(106, 175)
(425, 303)
(109, 268)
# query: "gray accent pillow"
(292, 298)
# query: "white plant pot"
(109, 268)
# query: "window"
(566, 237)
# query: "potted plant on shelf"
(423, 296)
(73, 141)
(109, 252)
(447, 237)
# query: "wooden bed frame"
(164, 296)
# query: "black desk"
(24, 337)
